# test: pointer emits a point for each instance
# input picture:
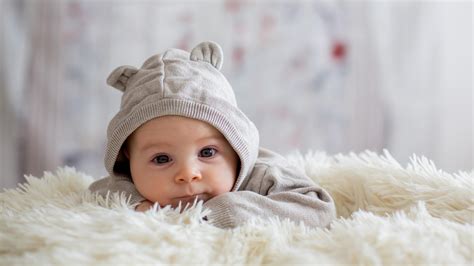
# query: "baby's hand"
(144, 206)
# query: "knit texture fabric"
(180, 83)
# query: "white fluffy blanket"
(388, 215)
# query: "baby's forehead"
(173, 130)
(169, 125)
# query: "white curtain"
(337, 76)
(9, 152)
(31, 94)
(9, 155)
(43, 91)
(411, 79)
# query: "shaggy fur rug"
(388, 215)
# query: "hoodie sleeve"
(118, 184)
(274, 190)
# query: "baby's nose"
(188, 174)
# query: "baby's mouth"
(190, 199)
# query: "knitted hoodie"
(191, 85)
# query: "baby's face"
(174, 158)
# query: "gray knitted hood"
(180, 83)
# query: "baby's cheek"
(144, 185)
(144, 189)
(153, 190)
(224, 186)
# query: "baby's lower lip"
(191, 199)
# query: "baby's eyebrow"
(154, 144)
(217, 137)
(165, 144)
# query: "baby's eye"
(161, 159)
(208, 152)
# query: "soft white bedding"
(388, 214)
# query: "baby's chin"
(189, 200)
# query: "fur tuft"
(388, 215)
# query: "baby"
(179, 136)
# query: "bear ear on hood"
(209, 52)
(120, 76)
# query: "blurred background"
(332, 76)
